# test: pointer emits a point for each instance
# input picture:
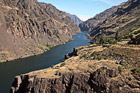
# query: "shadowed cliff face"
(68, 83)
(99, 18)
(28, 27)
(124, 21)
(89, 69)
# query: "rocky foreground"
(89, 69)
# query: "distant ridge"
(125, 22)
(99, 18)
(75, 19)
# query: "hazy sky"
(84, 9)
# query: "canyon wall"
(28, 27)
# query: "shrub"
(124, 64)
(129, 73)
(128, 61)
(105, 58)
(62, 64)
(101, 40)
(120, 69)
(52, 66)
(98, 58)
(136, 70)
(117, 36)
(107, 41)
(94, 53)
(84, 56)
(136, 32)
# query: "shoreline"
(27, 56)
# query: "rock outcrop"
(28, 27)
(123, 22)
(135, 39)
(91, 23)
(94, 69)
(75, 19)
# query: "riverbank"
(39, 50)
(92, 68)
(9, 70)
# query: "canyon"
(110, 64)
(29, 28)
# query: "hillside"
(29, 27)
(125, 22)
(99, 18)
(75, 19)
(109, 66)
(90, 69)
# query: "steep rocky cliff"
(99, 18)
(91, 69)
(125, 22)
(75, 19)
(28, 27)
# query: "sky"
(84, 9)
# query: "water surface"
(11, 69)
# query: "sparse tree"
(117, 36)
(101, 40)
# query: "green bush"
(98, 58)
(94, 53)
(136, 32)
(128, 61)
(136, 70)
(107, 41)
(84, 56)
(117, 36)
(129, 73)
(120, 69)
(105, 58)
(124, 64)
(62, 64)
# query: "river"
(11, 69)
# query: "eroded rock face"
(28, 27)
(100, 81)
(85, 74)
(68, 83)
(124, 22)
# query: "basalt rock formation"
(125, 22)
(28, 27)
(75, 19)
(99, 18)
(94, 69)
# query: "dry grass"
(76, 64)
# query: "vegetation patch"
(136, 70)
(62, 64)
(120, 68)
(84, 56)
(107, 41)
